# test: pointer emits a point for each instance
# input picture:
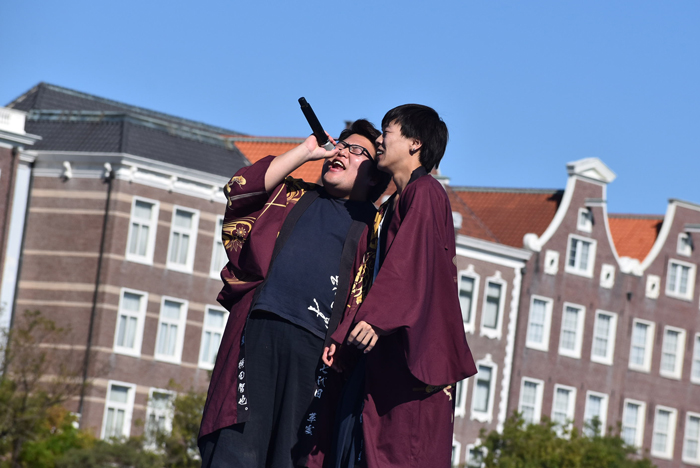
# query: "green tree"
(179, 446)
(35, 379)
(546, 445)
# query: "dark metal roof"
(72, 121)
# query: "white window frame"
(648, 347)
(182, 322)
(217, 251)
(603, 416)
(461, 402)
(494, 333)
(484, 416)
(695, 361)
(570, 410)
(204, 364)
(153, 227)
(639, 429)
(581, 319)
(469, 327)
(192, 245)
(539, 390)
(670, 435)
(696, 460)
(169, 413)
(684, 246)
(576, 270)
(456, 451)
(547, 325)
(584, 221)
(128, 407)
(610, 352)
(468, 460)
(677, 372)
(140, 320)
(688, 296)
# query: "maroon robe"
(408, 412)
(252, 223)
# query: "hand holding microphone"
(322, 138)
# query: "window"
(685, 244)
(633, 422)
(183, 239)
(475, 454)
(585, 220)
(571, 330)
(563, 407)
(641, 347)
(691, 439)
(118, 409)
(695, 367)
(130, 318)
(492, 313)
(212, 331)
(219, 259)
(672, 353)
(171, 330)
(456, 446)
(468, 285)
(664, 432)
(142, 230)
(482, 398)
(530, 405)
(596, 407)
(580, 256)
(604, 331)
(680, 280)
(460, 398)
(539, 323)
(159, 414)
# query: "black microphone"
(316, 127)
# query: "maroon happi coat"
(252, 223)
(408, 411)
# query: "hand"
(364, 336)
(328, 353)
(316, 152)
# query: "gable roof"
(504, 215)
(256, 148)
(634, 235)
(73, 121)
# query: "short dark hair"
(367, 129)
(363, 128)
(424, 124)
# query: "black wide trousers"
(281, 360)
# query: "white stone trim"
(469, 327)
(662, 237)
(510, 347)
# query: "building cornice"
(493, 248)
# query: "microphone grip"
(316, 127)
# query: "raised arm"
(284, 164)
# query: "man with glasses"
(295, 250)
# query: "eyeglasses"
(354, 149)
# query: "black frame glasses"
(357, 150)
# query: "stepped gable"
(506, 215)
(634, 235)
(73, 121)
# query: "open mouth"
(337, 165)
(379, 152)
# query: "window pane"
(119, 394)
(602, 332)
(692, 438)
(171, 310)
(466, 293)
(143, 210)
(672, 277)
(585, 247)
(670, 347)
(684, 279)
(561, 406)
(535, 332)
(143, 240)
(696, 359)
(483, 388)
(493, 297)
(629, 423)
(215, 318)
(174, 247)
(572, 252)
(569, 328)
(639, 339)
(131, 302)
(206, 343)
(661, 425)
(184, 245)
(528, 401)
(183, 219)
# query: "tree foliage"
(546, 445)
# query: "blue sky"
(524, 87)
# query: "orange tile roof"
(256, 148)
(504, 215)
(634, 235)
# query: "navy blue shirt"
(302, 282)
